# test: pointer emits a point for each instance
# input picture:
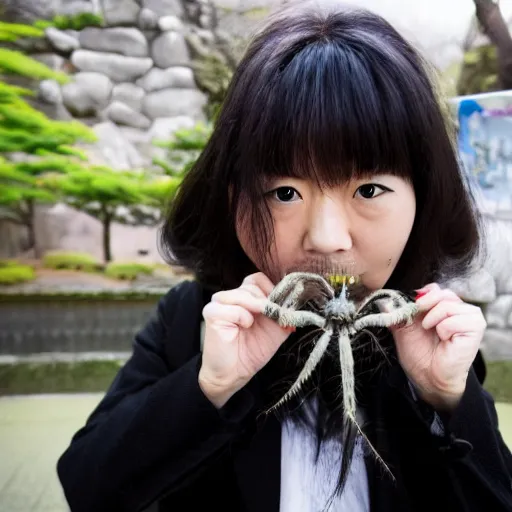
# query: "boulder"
(117, 67)
(170, 49)
(50, 92)
(497, 345)
(113, 149)
(178, 77)
(167, 23)
(498, 312)
(163, 127)
(164, 7)
(120, 12)
(61, 41)
(174, 102)
(148, 20)
(125, 41)
(130, 94)
(123, 114)
(87, 94)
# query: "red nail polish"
(419, 295)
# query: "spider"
(339, 318)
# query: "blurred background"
(104, 105)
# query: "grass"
(12, 273)
(70, 261)
(96, 376)
(57, 377)
(499, 380)
(127, 271)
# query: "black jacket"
(156, 441)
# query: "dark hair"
(325, 94)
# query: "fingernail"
(291, 328)
(420, 294)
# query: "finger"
(261, 280)
(254, 290)
(214, 312)
(428, 288)
(434, 297)
(459, 325)
(240, 297)
(446, 309)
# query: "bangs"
(331, 113)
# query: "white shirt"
(306, 486)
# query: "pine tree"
(31, 144)
(129, 197)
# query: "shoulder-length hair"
(329, 95)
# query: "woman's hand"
(239, 340)
(437, 350)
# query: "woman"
(331, 151)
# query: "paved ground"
(34, 431)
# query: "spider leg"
(292, 300)
(347, 375)
(403, 313)
(286, 317)
(348, 386)
(314, 358)
(288, 283)
(394, 295)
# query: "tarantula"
(339, 317)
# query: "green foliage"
(8, 263)
(127, 271)
(479, 71)
(129, 197)
(70, 261)
(77, 22)
(15, 63)
(12, 31)
(183, 149)
(14, 273)
(213, 76)
(23, 129)
(57, 377)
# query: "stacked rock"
(134, 72)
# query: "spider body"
(338, 318)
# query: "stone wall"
(72, 325)
(133, 83)
(490, 287)
(133, 78)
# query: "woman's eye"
(370, 190)
(285, 194)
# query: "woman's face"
(361, 226)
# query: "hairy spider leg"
(314, 358)
(349, 393)
(347, 374)
(405, 313)
(287, 284)
(292, 300)
(291, 318)
(381, 294)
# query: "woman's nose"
(329, 228)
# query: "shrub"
(13, 274)
(70, 261)
(8, 263)
(127, 271)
